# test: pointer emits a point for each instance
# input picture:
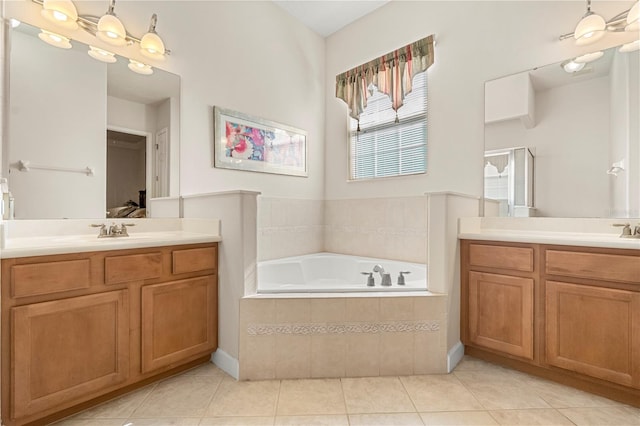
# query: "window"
(384, 148)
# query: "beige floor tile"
(180, 396)
(458, 418)
(313, 396)
(394, 419)
(235, 398)
(440, 393)
(94, 422)
(500, 390)
(194, 421)
(618, 416)
(560, 396)
(376, 395)
(237, 421)
(329, 420)
(119, 408)
(542, 417)
(207, 369)
(474, 364)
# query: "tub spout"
(386, 280)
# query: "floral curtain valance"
(391, 74)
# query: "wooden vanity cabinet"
(570, 314)
(79, 326)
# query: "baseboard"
(226, 363)
(454, 356)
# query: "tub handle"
(401, 277)
(370, 281)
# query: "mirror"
(87, 139)
(582, 132)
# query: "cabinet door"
(179, 320)
(501, 313)
(594, 331)
(64, 351)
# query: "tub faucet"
(378, 268)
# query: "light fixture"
(14, 22)
(102, 55)
(590, 28)
(633, 18)
(589, 57)
(110, 29)
(572, 66)
(151, 45)
(61, 12)
(139, 67)
(630, 47)
(54, 39)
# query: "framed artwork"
(242, 142)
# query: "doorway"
(126, 174)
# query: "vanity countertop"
(21, 242)
(569, 232)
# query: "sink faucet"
(113, 230)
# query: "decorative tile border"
(342, 328)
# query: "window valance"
(392, 74)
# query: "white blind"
(384, 148)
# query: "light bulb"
(139, 67)
(63, 13)
(152, 46)
(54, 39)
(572, 66)
(14, 23)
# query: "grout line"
(275, 414)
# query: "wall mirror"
(579, 131)
(86, 139)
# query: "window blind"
(384, 148)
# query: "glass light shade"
(633, 18)
(101, 55)
(14, 23)
(152, 46)
(590, 29)
(54, 39)
(139, 67)
(572, 66)
(111, 30)
(630, 47)
(589, 57)
(61, 12)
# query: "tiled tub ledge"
(345, 336)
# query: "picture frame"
(243, 142)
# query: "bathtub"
(330, 273)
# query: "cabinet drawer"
(194, 260)
(502, 257)
(597, 266)
(52, 277)
(134, 267)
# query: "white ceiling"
(328, 16)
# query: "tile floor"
(476, 393)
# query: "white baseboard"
(226, 363)
(454, 356)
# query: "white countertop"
(556, 231)
(40, 238)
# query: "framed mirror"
(86, 139)
(581, 128)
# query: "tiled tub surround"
(295, 336)
(289, 227)
(388, 228)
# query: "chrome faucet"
(380, 269)
(627, 232)
(113, 230)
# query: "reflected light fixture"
(54, 39)
(572, 66)
(630, 47)
(102, 55)
(589, 57)
(139, 67)
(151, 45)
(590, 28)
(14, 23)
(61, 12)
